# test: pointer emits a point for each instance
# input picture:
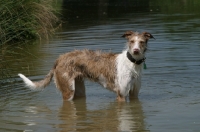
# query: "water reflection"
(103, 7)
(79, 11)
(75, 116)
(71, 115)
(169, 97)
(175, 6)
(17, 58)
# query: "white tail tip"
(27, 81)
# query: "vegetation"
(20, 22)
(26, 19)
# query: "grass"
(22, 21)
(25, 20)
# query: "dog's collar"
(138, 62)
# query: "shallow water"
(170, 93)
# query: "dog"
(120, 73)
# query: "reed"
(26, 19)
(22, 21)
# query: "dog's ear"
(147, 35)
(127, 34)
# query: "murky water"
(169, 99)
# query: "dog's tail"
(39, 84)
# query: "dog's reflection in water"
(76, 116)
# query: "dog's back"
(94, 65)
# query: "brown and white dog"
(120, 73)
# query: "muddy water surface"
(169, 99)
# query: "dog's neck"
(137, 62)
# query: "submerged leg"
(133, 94)
(80, 87)
(120, 97)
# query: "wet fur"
(113, 71)
(81, 64)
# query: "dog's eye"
(132, 41)
(142, 42)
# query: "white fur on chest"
(128, 74)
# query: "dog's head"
(137, 42)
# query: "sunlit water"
(169, 99)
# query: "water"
(170, 93)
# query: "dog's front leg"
(120, 97)
(133, 93)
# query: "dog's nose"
(136, 51)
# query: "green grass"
(21, 23)
(25, 20)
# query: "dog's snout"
(136, 51)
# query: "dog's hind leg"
(68, 93)
(79, 87)
(66, 86)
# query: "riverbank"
(24, 22)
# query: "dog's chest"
(127, 69)
(127, 74)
